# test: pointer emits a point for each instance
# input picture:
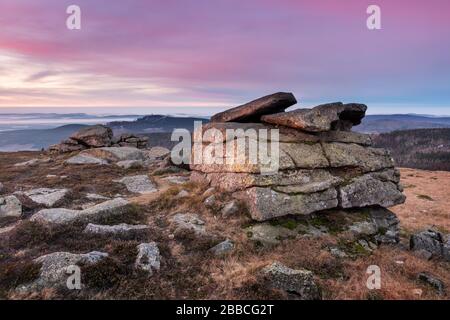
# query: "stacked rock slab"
(322, 163)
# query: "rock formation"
(96, 137)
(322, 163)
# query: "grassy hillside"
(420, 148)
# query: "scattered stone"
(148, 258)
(10, 206)
(209, 192)
(269, 235)
(112, 207)
(130, 164)
(210, 202)
(431, 241)
(182, 194)
(123, 229)
(321, 118)
(231, 208)
(94, 196)
(45, 196)
(297, 282)
(157, 153)
(55, 268)
(222, 248)
(176, 179)
(189, 222)
(168, 170)
(253, 110)
(115, 154)
(29, 163)
(432, 281)
(1, 187)
(85, 159)
(138, 184)
(338, 253)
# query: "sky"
(216, 54)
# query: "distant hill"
(35, 139)
(427, 149)
(157, 127)
(388, 123)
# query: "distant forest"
(427, 149)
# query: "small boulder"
(182, 194)
(85, 159)
(123, 229)
(189, 222)
(148, 258)
(130, 164)
(10, 206)
(222, 248)
(297, 282)
(46, 196)
(157, 153)
(108, 208)
(432, 281)
(230, 209)
(94, 197)
(210, 202)
(55, 267)
(431, 241)
(138, 184)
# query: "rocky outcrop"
(299, 283)
(10, 206)
(96, 137)
(130, 140)
(320, 163)
(188, 222)
(113, 207)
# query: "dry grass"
(188, 270)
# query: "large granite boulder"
(321, 118)
(10, 206)
(433, 242)
(295, 163)
(58, 266)
(253, 110)
(45, 196)
(94, 136)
